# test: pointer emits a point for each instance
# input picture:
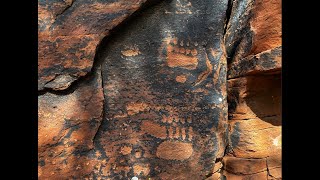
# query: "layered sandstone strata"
(253, 42)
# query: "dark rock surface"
(165, 83)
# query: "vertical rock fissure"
(228, 147)
(228, 14)
(268, 172)
(103, 110)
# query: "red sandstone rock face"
(255, 127)
(266, 62)
(67, 125)
(154, 104)
(254, 27)
(253, 41)
(254, 111)
(68, 34)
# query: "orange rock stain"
(181, 78)
(154, 129)
(174, 150)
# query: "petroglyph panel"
(164, 80)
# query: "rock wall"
(253, 43)
(153, 89)
(68, 34)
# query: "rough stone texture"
(165, 83)
(267, 62)
(68, 34)
(155, 103)
(254, 27)
(255, 97)
(253, 43)
(67, 125)
(255, 127)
